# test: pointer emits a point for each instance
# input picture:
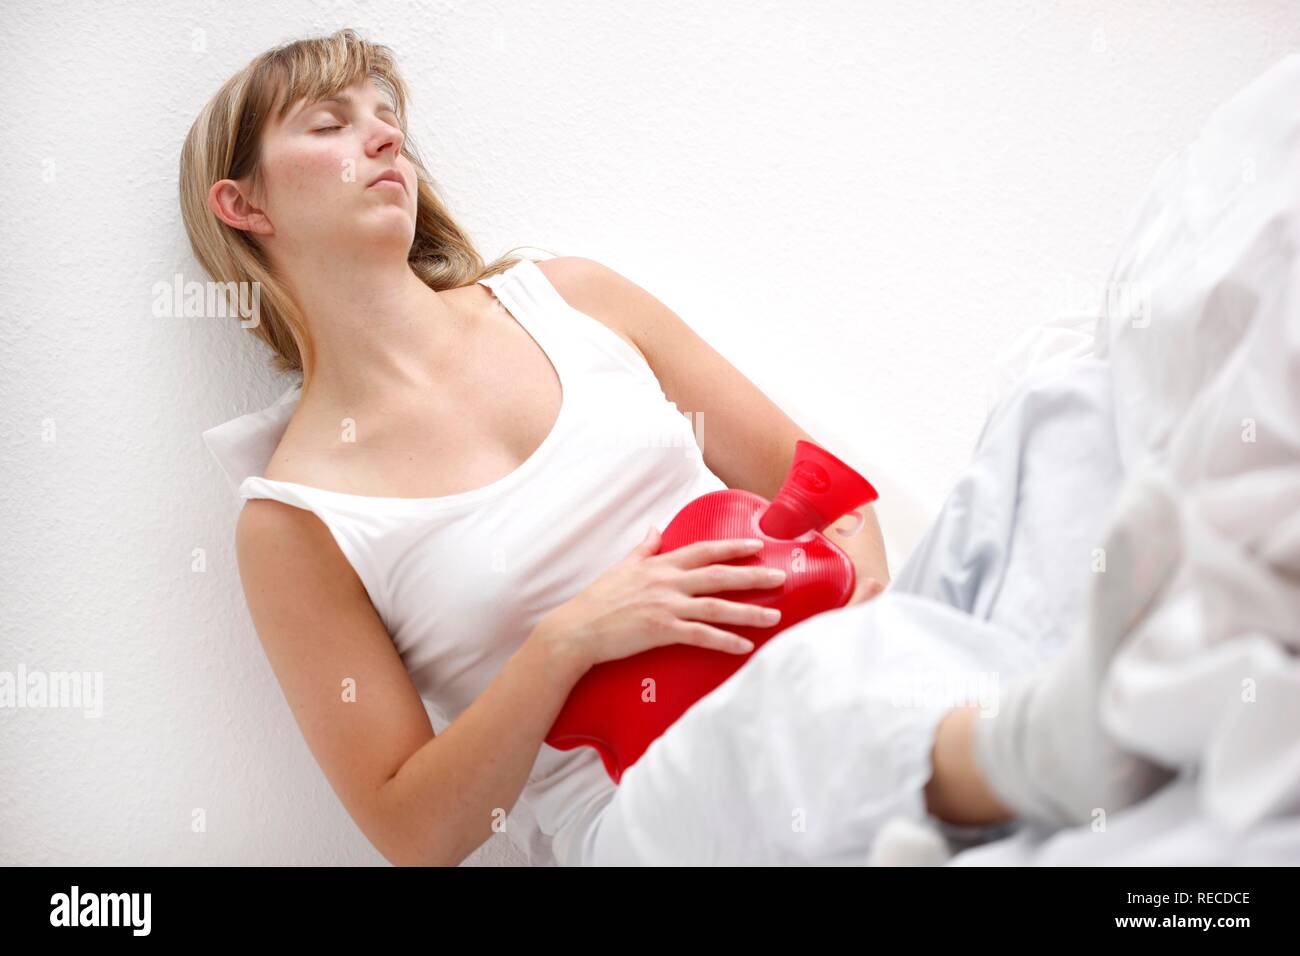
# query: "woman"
(453, 510)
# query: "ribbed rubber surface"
(619, 707)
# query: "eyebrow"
(346, 100)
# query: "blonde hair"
(224, 143)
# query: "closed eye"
(326, 129)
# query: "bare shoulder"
(262, 519)
(582, 280)
(267, 530)
(597, 290)
(278, 538)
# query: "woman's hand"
(650, 599)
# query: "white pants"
(810, 748)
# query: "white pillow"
(243, 446)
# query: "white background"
(857, 203)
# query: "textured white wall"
(856, 203)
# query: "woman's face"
(319, 168)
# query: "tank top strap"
(580, 341)
(537, 305)
(255, 486)
(352, 532)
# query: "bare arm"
(748, 440)
(419, 799)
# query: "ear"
(228, 202)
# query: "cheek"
(322, 172)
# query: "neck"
(375, 327)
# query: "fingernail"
(771, 614)
(775, 574)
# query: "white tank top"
(460, 580)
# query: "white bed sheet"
(1169, 828)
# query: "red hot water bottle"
(619, 707)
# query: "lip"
(387, 176)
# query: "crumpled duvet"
(1187, 665)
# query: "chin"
(399, 238)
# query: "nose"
(387, 136)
